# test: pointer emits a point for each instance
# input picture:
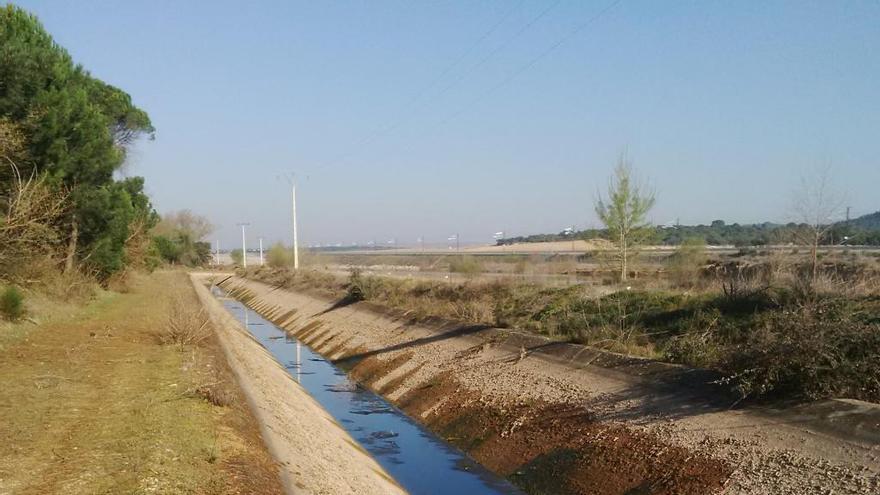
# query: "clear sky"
(405, 119)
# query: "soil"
(559, 422)
(552, 448)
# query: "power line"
(502, 46)
(465, 53)
(462, 76)
(528, 65)
(531, 63)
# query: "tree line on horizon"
(861, 231)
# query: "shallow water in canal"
(420, 462)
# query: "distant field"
(561, 247)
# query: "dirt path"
(95, 405)
(316, 455)
(563, 426)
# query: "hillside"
(870, 221)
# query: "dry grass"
(93, 404)
(185, 325)
(724, 321)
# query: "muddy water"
(418, 460)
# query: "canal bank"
(314, 453)
(562, 424)
(419, 461)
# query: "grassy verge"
(96, 404)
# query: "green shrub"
(12, 303)
(699, 345)
(807, 352)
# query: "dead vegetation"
(766, 322)
(28, 227)
(186, 325)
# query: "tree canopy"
(73, 129)
(624, 211)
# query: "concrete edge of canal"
(315, 454)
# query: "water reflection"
(419, 461)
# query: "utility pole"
(243, 246)
(291, 179)
(217, 253)
(261, 251)
(295, 242)
(847, 213)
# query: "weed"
(12, 303)
(217, 393)
(185, 325)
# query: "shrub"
(30, 212)
(808, 352)
(237, 256)
(279, 256)
(741, 280)
(12, 303)
(698, 346)
(356, 285)
(687, 262)
(185, 325)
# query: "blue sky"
(406, 119)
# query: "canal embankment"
(558, 418)
(314, 452)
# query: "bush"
(279, 256)
(808, 352)
(30, 211)
(356, 285)
(237, 256)
(687, 263)
(699, 345)
(186, 325)
(12, 304)
(362, 288)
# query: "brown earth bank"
(560, 423)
